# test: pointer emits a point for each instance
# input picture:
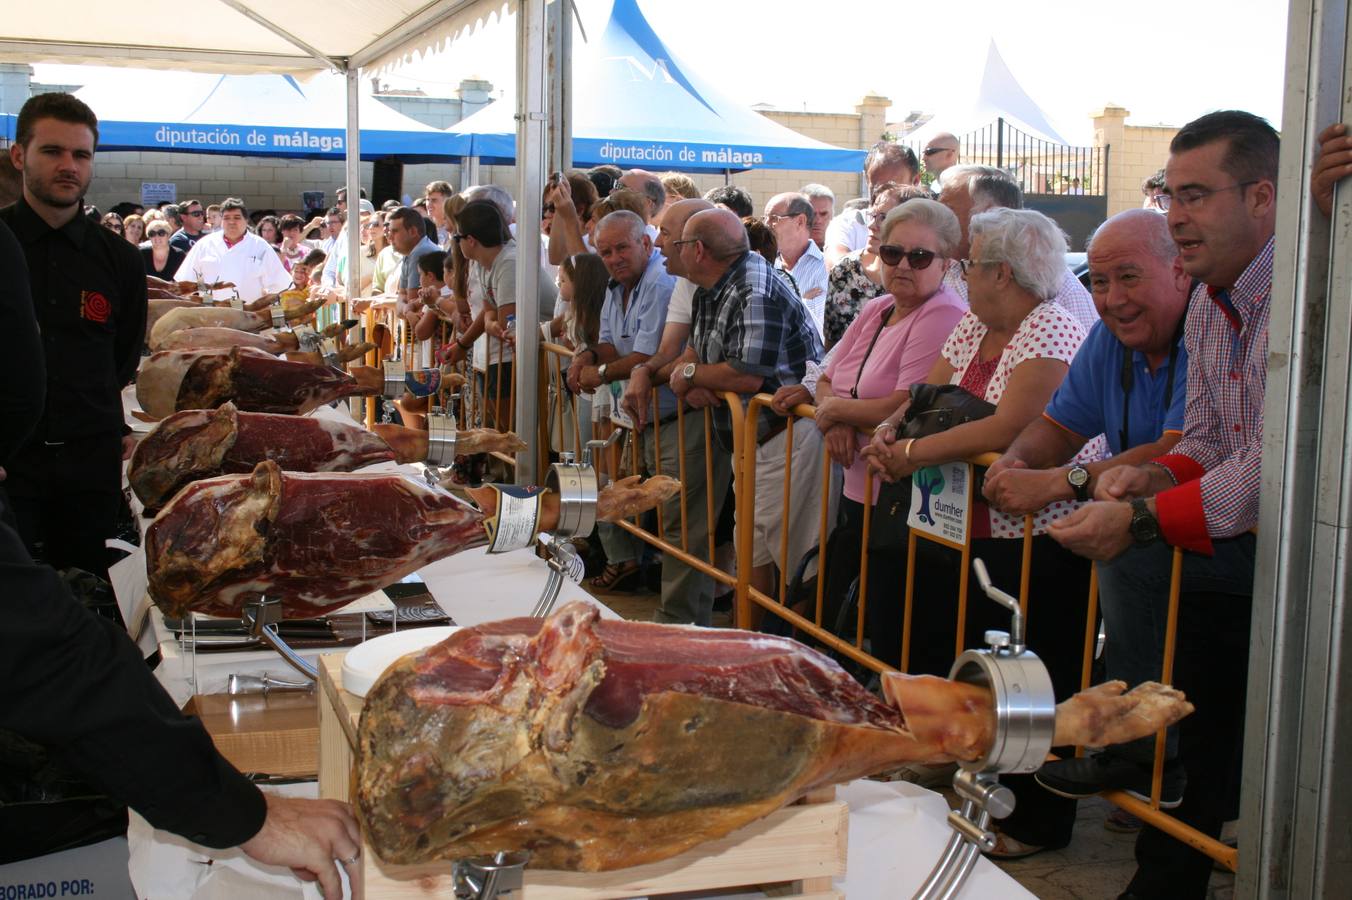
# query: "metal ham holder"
(1025, 723)
(578, 487)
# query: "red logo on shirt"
(94, 307)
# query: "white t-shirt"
(679, 310)
(849, 229)
(251, 265)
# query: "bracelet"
(882, 425)
(906, 450)
(1167, 471)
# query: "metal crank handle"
(983, 578)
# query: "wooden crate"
(797, 849)
(273, 734)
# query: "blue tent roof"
(252, 115)
(636, 104)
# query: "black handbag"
(938, 407)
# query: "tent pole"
(560, 47)
(353, 182)
(1298, 720)
(531, 167)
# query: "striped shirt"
(809, 275)
(1218, 462)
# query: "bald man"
(941, 152)
(751, 335)
(1128, 382)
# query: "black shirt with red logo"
(89, 295)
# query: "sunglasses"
(930, 151)
(917, 259)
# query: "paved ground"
(1096, 866)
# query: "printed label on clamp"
(307, 338)
(515, 524)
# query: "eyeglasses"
(1192, 198)
(457, 237)
(156, 234)
(968, 264)
(917, 259)
(685, 241)
(774, 218)
(930, 151)
(195, 213)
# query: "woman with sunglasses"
(1012, 349)
(858, 278)
(161, 260)
(891, 344)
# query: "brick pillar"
(1110, 130)
(872, 110)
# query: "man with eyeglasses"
(194, 218)
(1221, 201)
(940, 155)
(751, 334)
(790, 216)
(1152, 189)
(886, 161)
(89, 296)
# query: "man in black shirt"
(74, 683)
(89, 297)
(194, 218)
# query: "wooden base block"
(273, 734)
(798, 849)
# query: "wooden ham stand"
(798, 849)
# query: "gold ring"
(353, 860)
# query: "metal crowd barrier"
(749, 598)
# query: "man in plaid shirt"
(752, 334)
(1221, 202)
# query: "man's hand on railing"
(1124, 483)
(828, 414)
(589, 378)
(1018, 490)
(1333, 164)
(637, 399)
(700, 397)
(1099, 530)
(789, 396)
(574, 375)
(840, 443)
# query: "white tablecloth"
(897, 832)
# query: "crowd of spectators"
(1125, 410)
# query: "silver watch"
(688, 373)
(601, 372)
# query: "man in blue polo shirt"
(1129, 383)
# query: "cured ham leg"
(271, 342)
(345, 355)
(600, 744)
(410, 444)
(256, 381)
(198, 443)
(315, 542)
(157, 308)
(205, 317)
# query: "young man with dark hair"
(89, 295)
(235, 256)
(886, 161)
(1221, 201)
(732, 198)
(194, 219)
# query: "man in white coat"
(237, 256)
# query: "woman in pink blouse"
(1013, 348)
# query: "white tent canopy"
(998, 96)
(234, 36)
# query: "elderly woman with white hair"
(1012, 349)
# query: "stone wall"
(1135, 153)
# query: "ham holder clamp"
(1025, 724)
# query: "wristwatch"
(1078, 479)
(637, 366)
(1145, 528)
(601, 372)
(688, 373)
